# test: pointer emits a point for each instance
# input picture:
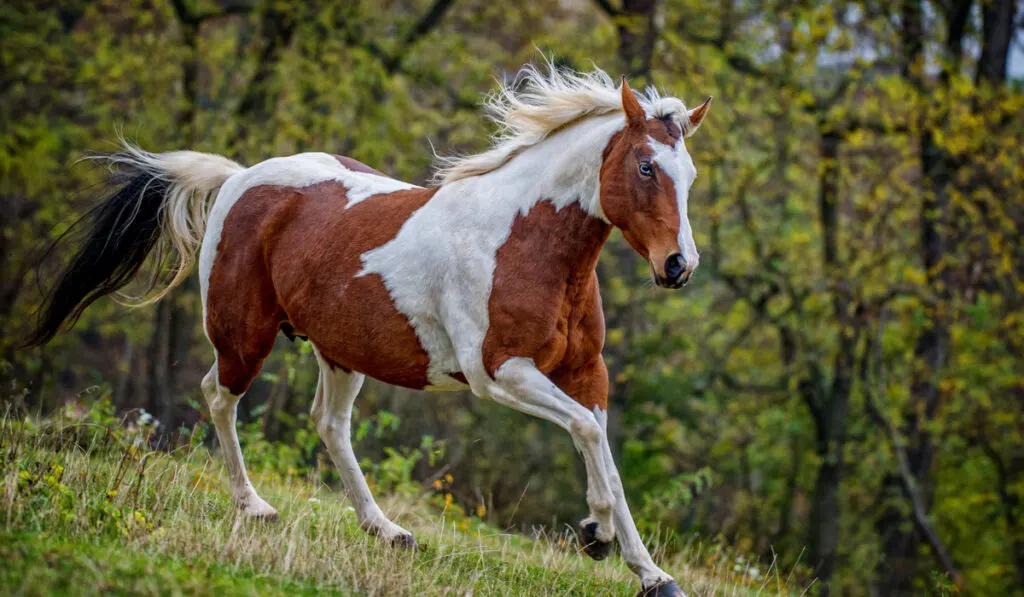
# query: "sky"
(1016, 60)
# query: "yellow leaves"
(950, 386)
(914, 275)
(804, 98)
(801, 237)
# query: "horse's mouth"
(670, 284)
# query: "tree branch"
(422, 27)
(607, 7)
(739, 62)
(907, 478)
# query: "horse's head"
(645, 185)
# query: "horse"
(486, 280)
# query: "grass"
(87, 509)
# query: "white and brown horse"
(485, 281)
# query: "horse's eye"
(645, 169)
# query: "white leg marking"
(332, 412)
(223, 405)
(631, 546)
(520, 385)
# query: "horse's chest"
(544, 303)
(563, 341)
(559, 328)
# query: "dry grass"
(87, 511)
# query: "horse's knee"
(586, 429)
(333, 428)
(218, 399)
(222, 403)
(209, 384)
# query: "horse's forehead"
(674, 160)
(664, 130)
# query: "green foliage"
(730, 398)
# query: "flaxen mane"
(536, 104)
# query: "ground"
(86, 508)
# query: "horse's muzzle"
(673, 283)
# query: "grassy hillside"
(87, 509)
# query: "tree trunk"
(637, 35)
(159, 358)
(899, 538)
(830, 405)
(997, 33)
(637, 28)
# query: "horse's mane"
(536, 104)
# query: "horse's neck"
(551, 192)
(564, 169)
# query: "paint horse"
(485, 281)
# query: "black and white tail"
(159, 204)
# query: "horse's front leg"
(654, 581)
(518, 384)
(589, 386)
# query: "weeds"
(88, 508)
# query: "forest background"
(841, 386)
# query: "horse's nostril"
(675, 265)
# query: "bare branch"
(907, 478)
(427, 22)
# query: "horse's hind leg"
(332, 413)
(223, 405)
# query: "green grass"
(86, 510)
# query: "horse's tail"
(160, 201)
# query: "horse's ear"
(697, 116)
(635, 115)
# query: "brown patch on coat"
(544, 303)
(292, 255)
(357, 166)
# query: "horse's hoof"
(253, 507)
(266, 517)
(404, 541)
(663, 589)
(592, 546)
(260, 513)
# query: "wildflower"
(438, 484)
(481, 510)
(449, 478)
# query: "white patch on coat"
(675, 161)
(440, 266)
(296, 171)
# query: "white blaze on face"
(675, 161)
